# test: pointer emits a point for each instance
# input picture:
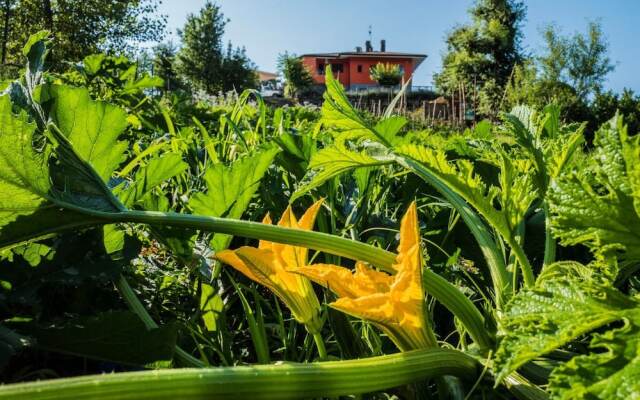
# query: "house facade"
(352, 68)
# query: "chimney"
(368, 46)
(383, 45)
(358, 49)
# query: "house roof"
(373, 54)
(266, 76)
(365, 54)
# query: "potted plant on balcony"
(386, 74)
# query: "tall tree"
(204, 62)
(570, 72)
(297, 77)
(606, 104)
(7, 10)
(238, 72)
(80, 27)
(581, 60)
(164, 66)
(530, 85)
(481, 55)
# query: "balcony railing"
(380, 89)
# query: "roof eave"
(421, 57)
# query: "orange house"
(352, 68)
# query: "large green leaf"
(36, 50)
(142, 83)
(515, 194)
(569, 300)
(598, 205)
(503, 207)
(92, 127)
(612, 374)
(24, 172)
(338, 112)
(27, 200)
(157, 170)
(211, 304)
(561, 151)
(333, 161)
(523, 123)
(47, 180)
(230, 189)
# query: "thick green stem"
(442, 290)
(136, 306)
(460, 306)
(322, 350)
(286, 381)
(439, 288)
(497, 268)
(255, 230)
(525, 265)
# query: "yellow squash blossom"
(395, 303)
(271, 264)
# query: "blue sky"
(269, 27)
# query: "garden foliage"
(127, 228)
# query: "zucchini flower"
(395, 304)
(271, 264)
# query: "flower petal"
(377, 281)
(309, 218)
(259, 262)
(231, 258)
(344, 282)
(288, 255)
(288, 219)
(409, 234)
(262, 262)
(271, 263)
(407, 292)
(264, 244)
(337, 279)
(376, 308)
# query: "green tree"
(164, 66)
(296, 76)
(529, 86)
(238, 71)
(200, 58)
(6, 13)
(204, 62)
(570, 72)
(481, 56)
(580, 60)
(606, 104)
(79, 28)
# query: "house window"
(359, 68)
(321, 69)
(337, 68)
